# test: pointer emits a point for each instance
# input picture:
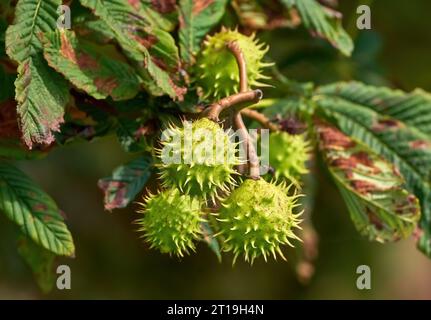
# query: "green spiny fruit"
(217, 68)
(257, 218)
(288, 155)
(205, 159)
(171, 221)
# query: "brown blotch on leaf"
(107, 85)
(47, 218)
(164, 6)
(82, 59)
(87, 62)
(332, 138)
(374, 219)
(40, 207)
(179, 91)
(420, 144)
(160, 63)
(351, 162)
(147, 129)
(362, 158)
(378, 102)
(385, 124)
(115, 193)
(342, 163)
(200, 5)
(147, 41)
(412, 199)
(271, 16)
(67, 49)
(364, 187)
(136, 4)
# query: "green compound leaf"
(160, 44)
(256, 15)
(162, 48)
(32, 18)
(148, 45)
(197, 18)
(40, 261)
(404, 145)
(414, 109)
(380, 207)
(125, 183)
(323, 23)
(97, 74)
(41, 94)
(35, 213)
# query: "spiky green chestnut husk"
(196, 174)
(257, 218)
(288, 155)
(171, 222)
(217, 69)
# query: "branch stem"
(239, 101)
(261, 118)
(247, 143)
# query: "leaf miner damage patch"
(373, 189)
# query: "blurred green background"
(112, 262)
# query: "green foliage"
(323, 23)
(32, 18)
(197, 18)
(89, 70)
(40, 93)
(125, 183)
(413, 109)
(259, 15)
(33, 211)
(373, 190)
(135, 36)
(41, 262)
(401, 143)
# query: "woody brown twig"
(239, 101)
(261, 118)
(247, 142)
(242, 66)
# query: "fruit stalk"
(239, 123)
(261, 118)
(238, 100)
